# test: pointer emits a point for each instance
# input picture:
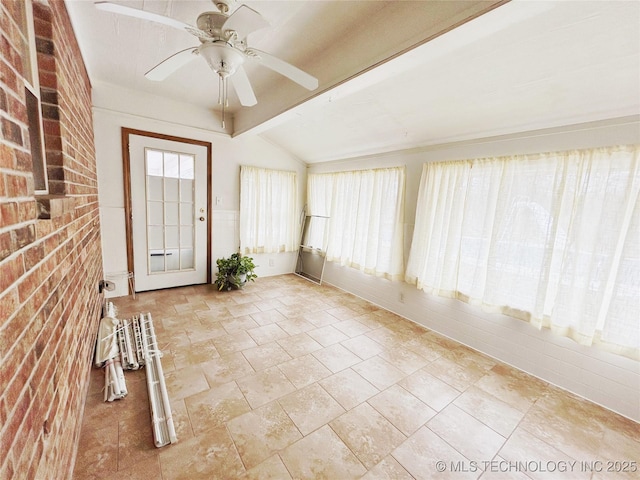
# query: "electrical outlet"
(271, 262)
(401, 297)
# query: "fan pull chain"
(223, 95)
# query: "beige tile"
(267, 333)
(432, 391)
(207, 456)
(296, 325)
(405, 411)
(343, 313)
(466, 434)
(348, 388)
(197, 353)
(310, 408)
(135, 440)
(320, 319)
(322, 455)
(271, 469)
(458, 376)
(242, 297)
(197, 332)
(617, 444)
(363, 346)
(541, 422)
(351, 328)
(267, 317)
(234, 342)
(185, 382)
(264, 386)
(499, 469)
(386, 337)
(99, 455)
(226, 368)
(387, 469)
(582, 440)
(216, 406)
(422, 453)
(423, 346)
(404, 359)
(304, 371)
(367, 433)
(326, 336)
(266, 304)
(299, 345)
(266, 356)
(528, 453)
(512, 386)
(242, 309)
(235, 324)
(143, 468)
(261, 433)
(336, 357)
(215, 313)
(181, 421)
(465, 356)
(379, 372)
(500, 416)
(191, 307)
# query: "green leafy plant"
(234, 272)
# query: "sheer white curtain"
(551, 238)
(268, 212)
(366, 210)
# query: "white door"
(168, 212)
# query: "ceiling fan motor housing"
(212, 23)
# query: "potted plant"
(234, 272)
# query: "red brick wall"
(50, 260)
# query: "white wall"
(115, 108)
(610, 380)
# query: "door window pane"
(170, 210)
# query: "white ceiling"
(524, 65)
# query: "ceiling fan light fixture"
(223, 60)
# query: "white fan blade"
(242, 86)
(283, 68)
(153, 17)
(171, 64)
(244, 21)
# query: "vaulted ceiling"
(392, 74)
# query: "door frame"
(126, 175)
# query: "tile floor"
(289, 380)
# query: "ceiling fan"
(223, 44)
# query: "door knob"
(201, 219)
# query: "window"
(550, 238)
(366, 210)
(32, 96)
(268, 211)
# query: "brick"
(12, 131)
(24, 235)
(8, 305)
(44, 46)
(23, 161)
(6, 245)
(7, 156)
(10, 271)
(3, 100)
(27, 210)
(16, 185)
